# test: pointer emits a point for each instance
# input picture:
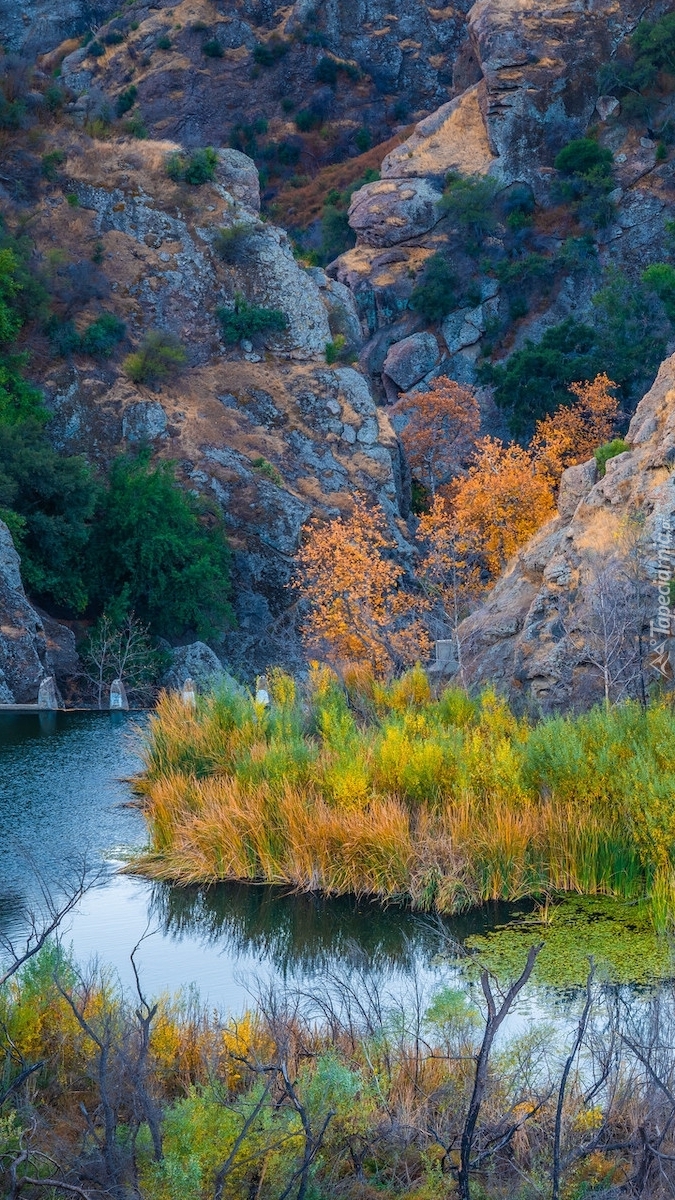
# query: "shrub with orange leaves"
(440, 429)
(571, 434)
(359, 606)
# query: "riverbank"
(384, 791)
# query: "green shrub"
(50, 163)
(632, 332)
(54, 98)
(163, 42)
(72, 199)
(199, 27)
(229, 243)
(52, 498)
(336, 351)
(436, 295)
(12, 113)
(535, 379)
(363, 139)
(212, 48)
(587, 180)
(126, 100)
(196, 168)
(327, 71)
(581, 156)
(637, 78)
(610, 450)
(151, 551)
(268, 470)
(337, 236)
(660, 278)
(63, 337)
(113, 37)
(101, 337)
(246, 320)
(157, 357)
(95, 49)
(470, 204)
(136, 127)
(307, 119)
(269, 53)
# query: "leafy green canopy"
(47, 501)
(152, 548)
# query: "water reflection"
(296, 932)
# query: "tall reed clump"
(384, 790)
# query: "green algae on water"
(618, 935)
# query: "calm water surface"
(62, 794)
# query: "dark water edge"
(63, 794)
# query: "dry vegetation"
(382, 790)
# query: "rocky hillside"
(535, 89)
(588, 580)
(470, 243)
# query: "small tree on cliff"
(573, 432)
(501, 501)
(441, 424)
(358, 605)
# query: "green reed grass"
(382, 789)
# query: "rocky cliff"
(587, 584)
(265, 427)
(32, 646)
(533, 87)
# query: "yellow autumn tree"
(501, 501)
(573, 432)
(358, 605)
(441, 425)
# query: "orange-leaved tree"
(501, 501)
(442, 423)
(355, 589)
(573, 432)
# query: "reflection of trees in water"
(305, 931)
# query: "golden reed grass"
(445, 803)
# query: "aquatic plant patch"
(382, 790)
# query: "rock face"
(410, 360)
(263, 427)
(38, 25)
(385, 50)
(528, 636)
(28, 652)
(199, 663)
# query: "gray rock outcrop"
(199, 663)
(28, 652)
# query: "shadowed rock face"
(30, 649)
(35, 26)
(525, 637)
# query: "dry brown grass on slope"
(297, 207)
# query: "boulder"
(454, 138)
(575, 485)
(410, 360)
(238, 174)
(144, 421)
(199, 663)
(607, 106)
(394, 210)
